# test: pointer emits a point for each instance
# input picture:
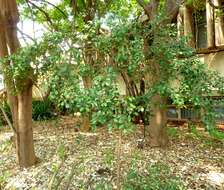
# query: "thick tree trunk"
(86, 123)
(131, 88)
(24, 136)
(156, 135)
(156, 132)
(210, 25)
(88, 83)
(150, 8)
(20, 104)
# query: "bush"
(42, 110)
(172, 132)
(6, 108)
(157, 177)
(218, 135)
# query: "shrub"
(218, 135)
(172, 132)
(157, 177)
(3, 178)
(6, 108)
(42, 110)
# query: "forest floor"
(74, 160)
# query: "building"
(205, 26)
(1, 82)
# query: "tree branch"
(48, 18)
(56, 7)
(145, 7)
(26, 35)
(172, 8)
(215, 6)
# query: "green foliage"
(172, 132)
(6, 108)
(3, 178)
(218, 135)
(102, 100)
(109, 157)
(61, 152)
(102, 185)
(6, 145)
(80, 47)
(213, 138)
(42, 110)
(177, 72)
(157, 177)
(195, 131)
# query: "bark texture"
(86, 124)
(20, 104)
(157, 120)
(157, 136)
(24, 138)
(87, 82)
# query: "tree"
(134, 51)
(78, 48)
(19, 89)
(157, 135)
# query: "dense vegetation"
(108, 64)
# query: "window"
(172, 113)
(218, 108)
(188, 113)
(200, 29)
(219, 114)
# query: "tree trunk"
(131, 88)
(86, 124)
(24, 136)
(210, 25)
(89, 56)
(156, 132)
(20, 104)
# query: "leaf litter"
(71, 159)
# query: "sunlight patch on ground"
(5, 136)
(216, 178)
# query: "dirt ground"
(81, 160)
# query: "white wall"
(215, 61)
(1, 82)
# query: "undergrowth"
(156, 177)
(42, 110)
